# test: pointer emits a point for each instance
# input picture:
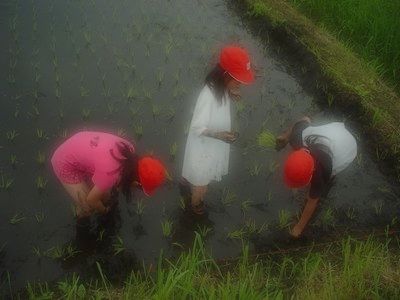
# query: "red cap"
(151, 174)
(299, 168)
(236, 62)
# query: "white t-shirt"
(338, 139)
(206, 158)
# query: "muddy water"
(119, 65)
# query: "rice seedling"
(11, 78)
(17, 218)
(245, 205)
(156, 110)
(138, 130)
(40, 158)
(101, 235)
(11, 135)
(255, 169)
(13, 160)
(167, 228)
(160, 77)
(118, 246)
(273, 166)
(266, 139)
(131, 94)
(228, 197)
(85, 113)
(182, 203)
(88, 39)
(147, 94)
(6, 183)
(268, 198)
(84, 92)
(62, 252)
(170, 113)
(39, 217)
(327, 218)
(36, 251)
(173, 149)
(237, 234)
(284, 219)
(351, 213)
(140, 206)
(359, 159)
(41, 183)
(250, 227)
(41, 134)
(378, 207)
(55, 62)
(203, 231)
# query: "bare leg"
(79, 192)
(198, 193)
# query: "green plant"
(41, 183)
(62, 252)
(11, 135)
(40, 158)
(351, 213)
(118, 246)
(173, 149)
(156, 110)
(255, 169)
(41, 134)
(327, 218)
(167, 227)
(140, 207)
(378, 205)
(203, 231)
(182, 203)
(84, 91)
(160, 77)
(170, 113)
(6, 183)
(266, 139)
(228, 197)
(85, 113)
(36, 251)
(17, 218)
(245, 205)
(237, 234)
(138, 129)
(284, 219)
(13, 160)
(39, 217)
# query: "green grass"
(369, 27)
(346, 269)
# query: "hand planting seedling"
(17, 218)
(118, 246)
(167, 227)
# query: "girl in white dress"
(208, 143)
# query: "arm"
(284, 138)
(306, 215)
(95, 200)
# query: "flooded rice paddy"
(136, 67)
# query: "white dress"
(206, 158)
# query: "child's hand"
(281, 142)
(296, 232)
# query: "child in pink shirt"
(90, 164)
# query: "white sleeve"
(202, 112)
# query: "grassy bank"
(348, 269)
(345, 80)
(369, 27)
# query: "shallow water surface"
(132, 66)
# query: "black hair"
(128, 168)
(215, 80)
(313, 145)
